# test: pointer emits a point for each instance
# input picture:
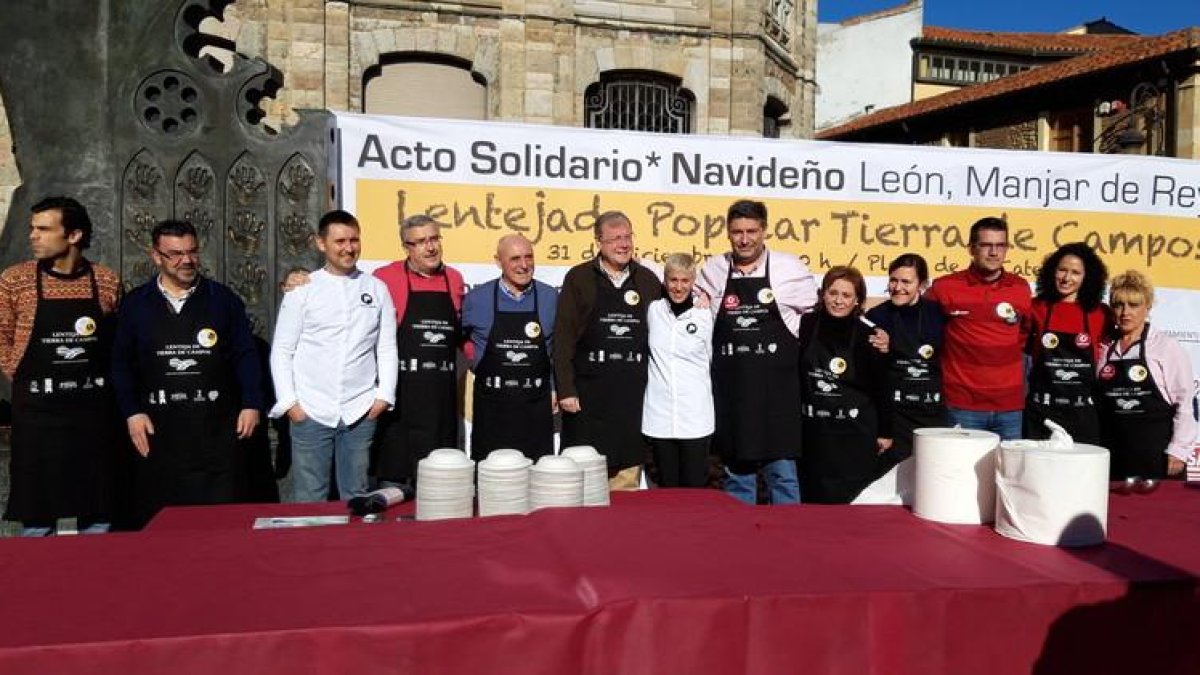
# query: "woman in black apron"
(512, 391)
(915, 357)
(193, 401)
(426, 414)
(1145, 390)
(63, 439)
(1068, 323)
(844, 395)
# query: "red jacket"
(393, 275)
(983, 366)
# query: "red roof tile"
(1055, 43)
(1144, 49)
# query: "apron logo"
(366, 299)
(1138, 373)
(515, 357)
(432, 337)
(915, 372)
(731, 302)
(1065, 375)
(745, 321)
(1128, 403)
(772, 347)
(1082, 340)
(766, 296)
(207, 337)
(213, 394)
(33, 388)
(85, 326)
(1050, 341)
(632, 298)
(69, 353)
(837, 365)
(1006, 312)
(181, 365)
(925, 352)
(533, 329)
(691, 329)
(618, 330)
(853, 413)
(1108, 372)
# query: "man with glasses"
(56, 326)
(601, 351)
(428, 297)
(987, 310)
(187, 376)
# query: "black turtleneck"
(680, 307)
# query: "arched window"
(638, 101)
(775, 117)
(424, 85)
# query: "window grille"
(638, 102)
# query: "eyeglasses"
(619, 239)
(176, 256)
(435, 240)
(992, 247)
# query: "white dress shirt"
(334, 350)
(791, 281)
(679, 398)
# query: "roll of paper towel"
(955, 475)
(1052, 495)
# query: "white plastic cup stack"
(555, 481)
(445, 485)
(504, 483)
(595, 473)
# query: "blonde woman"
(1145, 385)
(677, 414)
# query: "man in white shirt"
(334, 364)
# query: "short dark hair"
(914, 261)
(73, 215)
(1095, 274)
(851, 274)
(988, 223)
(747, 208)
(336, 217)
(172, 228)
(609, 217)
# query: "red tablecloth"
(662, 582)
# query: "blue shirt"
(478, 313)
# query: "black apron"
(193, 401)
(512, 385)
(1062, 383)
(1138, 421)
(756, 391)
(426, 414)
(840, 424)
(916, 375)
(611, 361)
(63, 439)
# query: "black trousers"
(681, 462)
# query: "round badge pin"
(837, 365)
(632, 298)
(731, 301)
(1138, 373)
(1005, 311)
(925, 352)
(1050, 341)
(533, 329)
(1082, 340)
(766, 296)
(366, 298)
(1108, 371)
(85, 326)
(207, 337)
(691, 329)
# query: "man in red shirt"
(987, 311)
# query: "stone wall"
(1016, 136)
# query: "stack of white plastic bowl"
(445, 485)
(504, 483)
(555, 481)
(595, 473)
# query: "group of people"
(743, 357)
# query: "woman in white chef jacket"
(677, 416)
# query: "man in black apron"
(188, 378)
(428, 330)
(510, 322)
(601, 352)
(1062, 382)
(756, 387)
(64, 417)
